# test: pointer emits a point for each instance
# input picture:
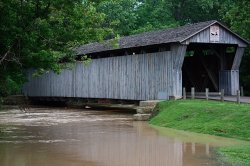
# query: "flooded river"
(71, 137)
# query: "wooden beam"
(215, 52)
(237, 58)
(211, 75)
(179, 51)
(221, 55)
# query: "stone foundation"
(145, 110)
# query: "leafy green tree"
(41, 34)
(153, 15)
(120, 15)
(191, 11)
(237, 15)
(128, 17)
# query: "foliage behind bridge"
(40, 34)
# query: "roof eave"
(247, 42)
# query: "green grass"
(210, 117)
(236, 155)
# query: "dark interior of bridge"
(202, 65)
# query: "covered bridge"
(149, 66)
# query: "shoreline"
(227, 120)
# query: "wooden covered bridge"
(150, 66)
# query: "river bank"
(210, 117)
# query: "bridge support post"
(241, 90)
(222, 95)
(207, 91)
(192, 93)
(184, 93)
(238, 96)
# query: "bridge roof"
(172, 35)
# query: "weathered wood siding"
(237, 58)
(135, 77)
(229, 81)
(178, 52)
(225, 37)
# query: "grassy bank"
(236, 155)
(210, 117)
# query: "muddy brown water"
(71, 137)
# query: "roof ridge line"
(165, 29)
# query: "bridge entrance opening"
(203, 64)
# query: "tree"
(128, 17)
(41, 34)
(153, 15)
(120, 15)
(237, 16)
(192, 11)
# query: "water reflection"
(91, 138)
